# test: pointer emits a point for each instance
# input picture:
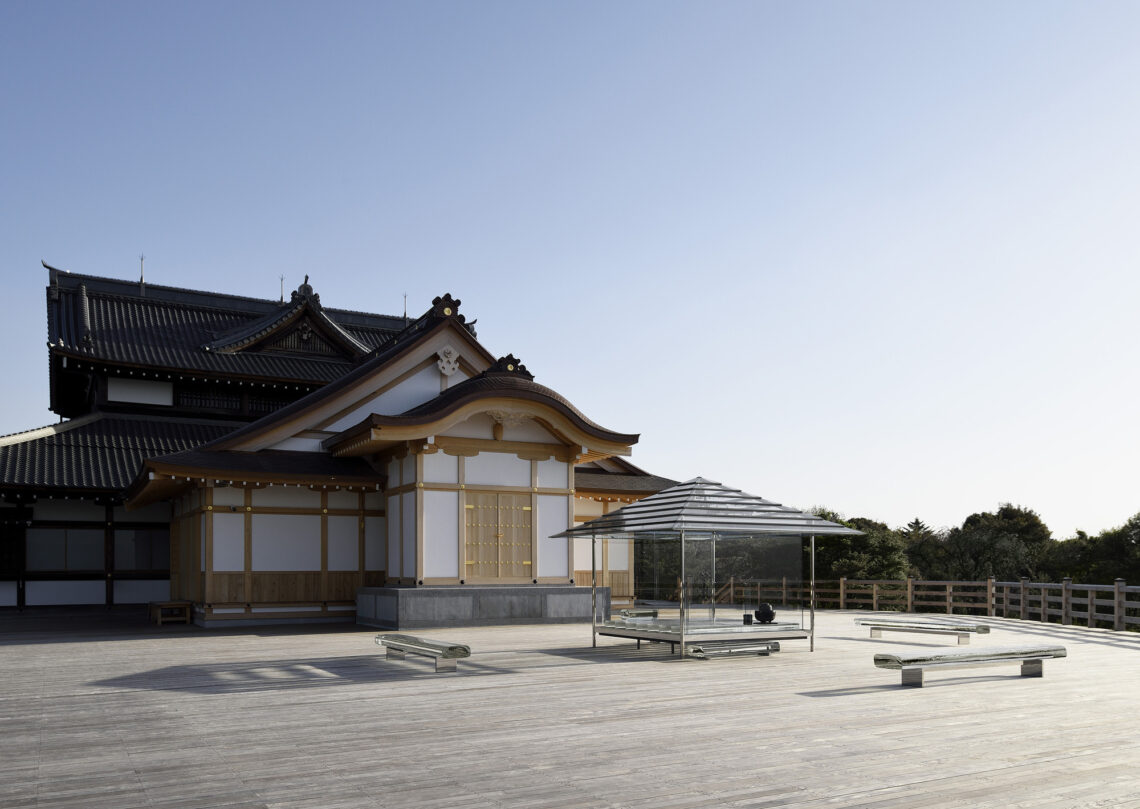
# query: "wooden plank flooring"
(103, 710)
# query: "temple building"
(282, 461)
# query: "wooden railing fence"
(1112, 606)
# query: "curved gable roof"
(494, 386)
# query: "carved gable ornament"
(448, 362)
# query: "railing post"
(1067, 601)
(949, 598)
(784, 590)
(732, 589)
(1044, 604)
(910, 593)
(991, 595)
(1118, 605)
(875, 595)
(1024, 598)
(1091, 621)
(842, 592)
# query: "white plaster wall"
(343, 542)
(478, 426)
(344, 500)
(375, 500)
(41, 593)
(68, 510)
(394, 537)
(229, 496)
(7, 593)
(286, 542)
(229, 542)
(394, 473)
(142, 592)
(415, 390)
(551, 520)
(300, 445)
(408, 506)
(155, 512)
(441, 534)
(528, 430)
(496, 469)
(619, 554)
(142, 391)
(582, 555)
(588, 508)
(457, 377)
(552, 474)
(375, 543)
(287, 497)
(408, 469)
(441, 468)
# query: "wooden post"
(842, 592)
(949, 598)
(1118, 605)
(991, 596)
(1066, 601)
(910, 593)
(784, 590)
(1044, 605)
(875, 595)
(1091, 620)
(1024, 598)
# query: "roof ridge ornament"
(304, 292)
(509, 365)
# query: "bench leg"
(912, 677)
(876, 633)
(1032, 668)
(394, 654)
(446, 664)
(963, 638)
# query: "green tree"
(1116, 554)
(1006, 544)
(925, 550)
(879, 553)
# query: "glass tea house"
(705, 556)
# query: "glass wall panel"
(46, 549)
(142, 549)
(70, 549)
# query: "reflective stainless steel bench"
(963, 629)
(446, 654)
(914, 663)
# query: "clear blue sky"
(877, 256)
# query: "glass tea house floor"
(699, 548)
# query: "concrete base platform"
(421, 607)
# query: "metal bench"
(703, 651)
(914, 663)
(446, 654)
(962, 629)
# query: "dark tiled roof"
(101, 452)
(271, 464)
(604, 482)
(116, 322)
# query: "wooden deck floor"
(111, 712)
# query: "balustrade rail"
(1112, 606)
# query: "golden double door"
(498, 545)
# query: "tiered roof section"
(113, 327)
(98, 454)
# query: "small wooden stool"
(170, 612)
